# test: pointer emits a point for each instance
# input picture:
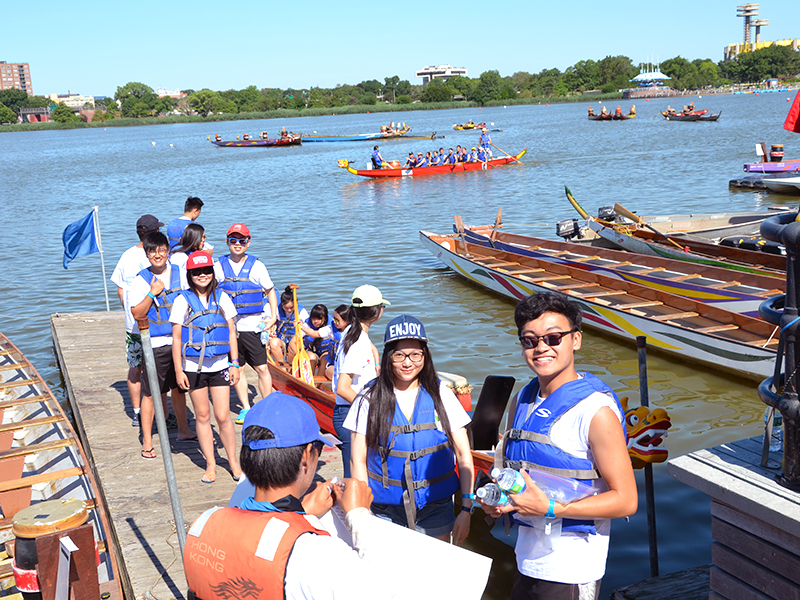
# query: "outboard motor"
(783, 311)
(606, 213)
(568, 229)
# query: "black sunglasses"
(203, 271)
(529, 342)
(318, 446)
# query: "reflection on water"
(317, 225)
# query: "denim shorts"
(434, 519)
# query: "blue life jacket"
(321, 346)
(450, 158)
(417, 466)
(481, 154)
(528, 444)
(205, 332)
(484, 141)
(422, 162)
(284, 327)
(158, 315)
(248, 297)
(376, 159)
(175, 231)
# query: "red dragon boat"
(417, 172)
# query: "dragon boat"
(694, 115)
(469, 125)
(359, 137)
(42, 460)
(694, 331)
(706, 284)
(437, 170)
(257, 143)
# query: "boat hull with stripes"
(438, 170)
(716, 338)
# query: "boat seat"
(526, 271)
(21, 401)
(489, 411)
(574, 286)
(715, 328)
(17, 383)
(673, 316)
(13, 366)
(723, 284)
(33, 448)
(552, 277)
(638, 304)
(504, 263)
(26, 482)
(649, 270)
(30, 423)
(601, 294)
(585, 258)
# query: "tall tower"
(757, 24)
(747, 11)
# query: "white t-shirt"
(138, 292)
(359, 362)
(577, 557)
(406, 400)
(180, 311)
(258, 275)
(130, 263)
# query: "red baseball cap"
(198, 260)
(239, 228)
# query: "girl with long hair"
(192, 240)
(356, 363)
(202, 331)
(408, 430)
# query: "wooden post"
(641, 346)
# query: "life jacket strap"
(409, 487)
(417, 454)
(570, 473)
(411, 427)
(530, 436)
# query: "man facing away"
(273, 545)
(130, 264)
(570, 423)
(246, 280)
(191, 212)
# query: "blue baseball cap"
(404, 327)
(290, 419)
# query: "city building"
(72, 100)
(162, 92)
(748, 11)
(16, 76)
(441, 71)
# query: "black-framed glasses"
(529, 342)
(415, 356)
(202, 271)
(235, 241)
(318, 446)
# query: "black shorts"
(251, 351)
(198, 381)
(528, 588)
(165, 371)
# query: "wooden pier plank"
(91, 352)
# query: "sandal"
(237, 477)
(149, 454)
(209, 477)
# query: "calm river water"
(328, 231)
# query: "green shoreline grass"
(308, 112)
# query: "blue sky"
(91, 48)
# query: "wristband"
(551, 510)
(150, 294)
(468, 496)
(234, 363)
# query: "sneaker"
(240, 417)
(135, 421)
(172, 422)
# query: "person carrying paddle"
(408, 430)
(485, 142)
(571, 424)
(202, 331)
(246, 280)
(356, 360)
(281, 343)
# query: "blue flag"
(80, 239)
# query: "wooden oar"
(460, 230)
(503, 151)
(301, 364)
(498, 222)
(621, 210)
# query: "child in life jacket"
(281, 344)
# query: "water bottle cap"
(495, 473)
(481, 493)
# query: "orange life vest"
(235, 553)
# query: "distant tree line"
(612, 73)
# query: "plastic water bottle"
(263, 333)
(492, 495)
(509, 480)
(776, 441)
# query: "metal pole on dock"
(649, 491)
(163, 435)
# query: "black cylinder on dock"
(776, 153)
(785, 229)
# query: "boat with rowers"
(384, 134)
(469, 125)
(435, 170)
(694, 331)
(617, 115)
(42, 460)
(248, 142)
(710, 285)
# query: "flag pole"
(100, 245)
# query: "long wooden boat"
(711, 117)
(321, 399)
(356, 137)
(41, 459)
(257, 143)
(680, 116)
(680, 326)
(418, 172)
(709, 285)
(468, 126)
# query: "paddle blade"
(301, 367)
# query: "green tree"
(373, 86)
(521, 80)
(403, 88)
(684, 74)
(462, 85)
(203, 101)
(7, 115)
(581, 76)
(615, 72)
(709, 73)
(769, 62)
(63, 114)
(246, 99)
(316, 99)
(437, 90)
(13, 99)
(404, 99)
(133, 88)
(489, 86)
(164, 105)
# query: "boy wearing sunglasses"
(246, 280)
(568, 423)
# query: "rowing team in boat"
(686, 109)
(392, 128)
(246, 136)
(481, 153)
(617, 112)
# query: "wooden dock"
(755, 523)
(91, 353)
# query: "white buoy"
(315, 131)
(170, 145)
(153, 143)
(504, 107)
(492, 124)
(699, 97)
